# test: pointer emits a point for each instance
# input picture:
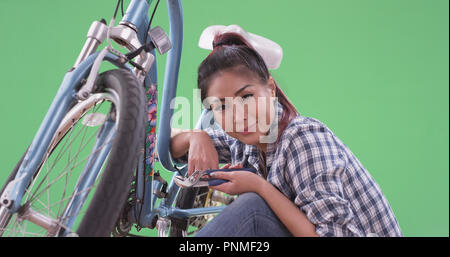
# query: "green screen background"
(375, 72)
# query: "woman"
(308, 182)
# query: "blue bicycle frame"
(137, 16)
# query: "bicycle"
(108, 184)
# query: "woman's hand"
(202, 153)
(240, 181)
(288, 213)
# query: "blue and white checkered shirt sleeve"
(315, 165)
(221, 142)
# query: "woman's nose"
(240, 112)
(239, 118)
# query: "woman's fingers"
(229, 166)
(202, 153)
(194, 166)
(224, 187)
(226, 166)
(191, 168)
(222, 175)
(236, 166)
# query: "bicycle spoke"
(19, 227)
(62, 190)
(58, 166)
(69, 147)
(64, 173)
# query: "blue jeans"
(247, 216)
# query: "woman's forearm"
(288, 213)
(197, 143)
(179, 142)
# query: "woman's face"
(242, 104)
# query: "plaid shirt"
(317, 172)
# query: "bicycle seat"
(271, 52)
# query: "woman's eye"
(247, 96)
(220, 107)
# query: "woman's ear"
(271, 85)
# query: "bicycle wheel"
(196, 197)
(53, 204)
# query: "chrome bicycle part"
(196, 179)
(163, 225)
(127, 37)
(49, 224)
(95, 36)
(5, 216)
(87, 88)
(160, 40)
(125, 34)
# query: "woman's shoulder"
(303, 126)
(308, 144)
(307, 133)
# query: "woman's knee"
(245, 206)
(264, 222)
(248, 215)
(251, 199)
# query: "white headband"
(271, 52)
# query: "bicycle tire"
(113, 187)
